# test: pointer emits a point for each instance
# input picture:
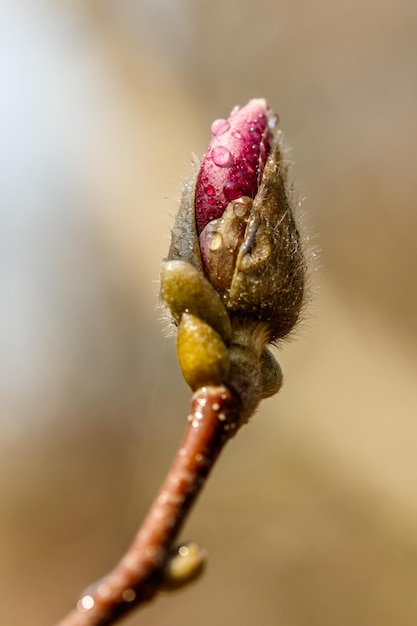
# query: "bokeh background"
(310, 517)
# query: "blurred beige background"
(310, 517)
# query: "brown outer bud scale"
(268, 282)
(186, 290)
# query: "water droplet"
(219, 127)
(104, 590)
(216, 242)
(232, 191)
(221, 156)
(85, 604)
(255, 134)
(241, 206)
(163, 498)
(150, 551)
(129, 595)
(237, 134)
(210, 191)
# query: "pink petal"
(235, 159)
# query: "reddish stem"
(214, 418)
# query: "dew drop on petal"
(219, 127)
(232, 191)
(255, 134)
(221, 156)
(237, 134)
(209, 190)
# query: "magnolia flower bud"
(236, 224)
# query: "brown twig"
(214, 418)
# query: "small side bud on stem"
(184, 564)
